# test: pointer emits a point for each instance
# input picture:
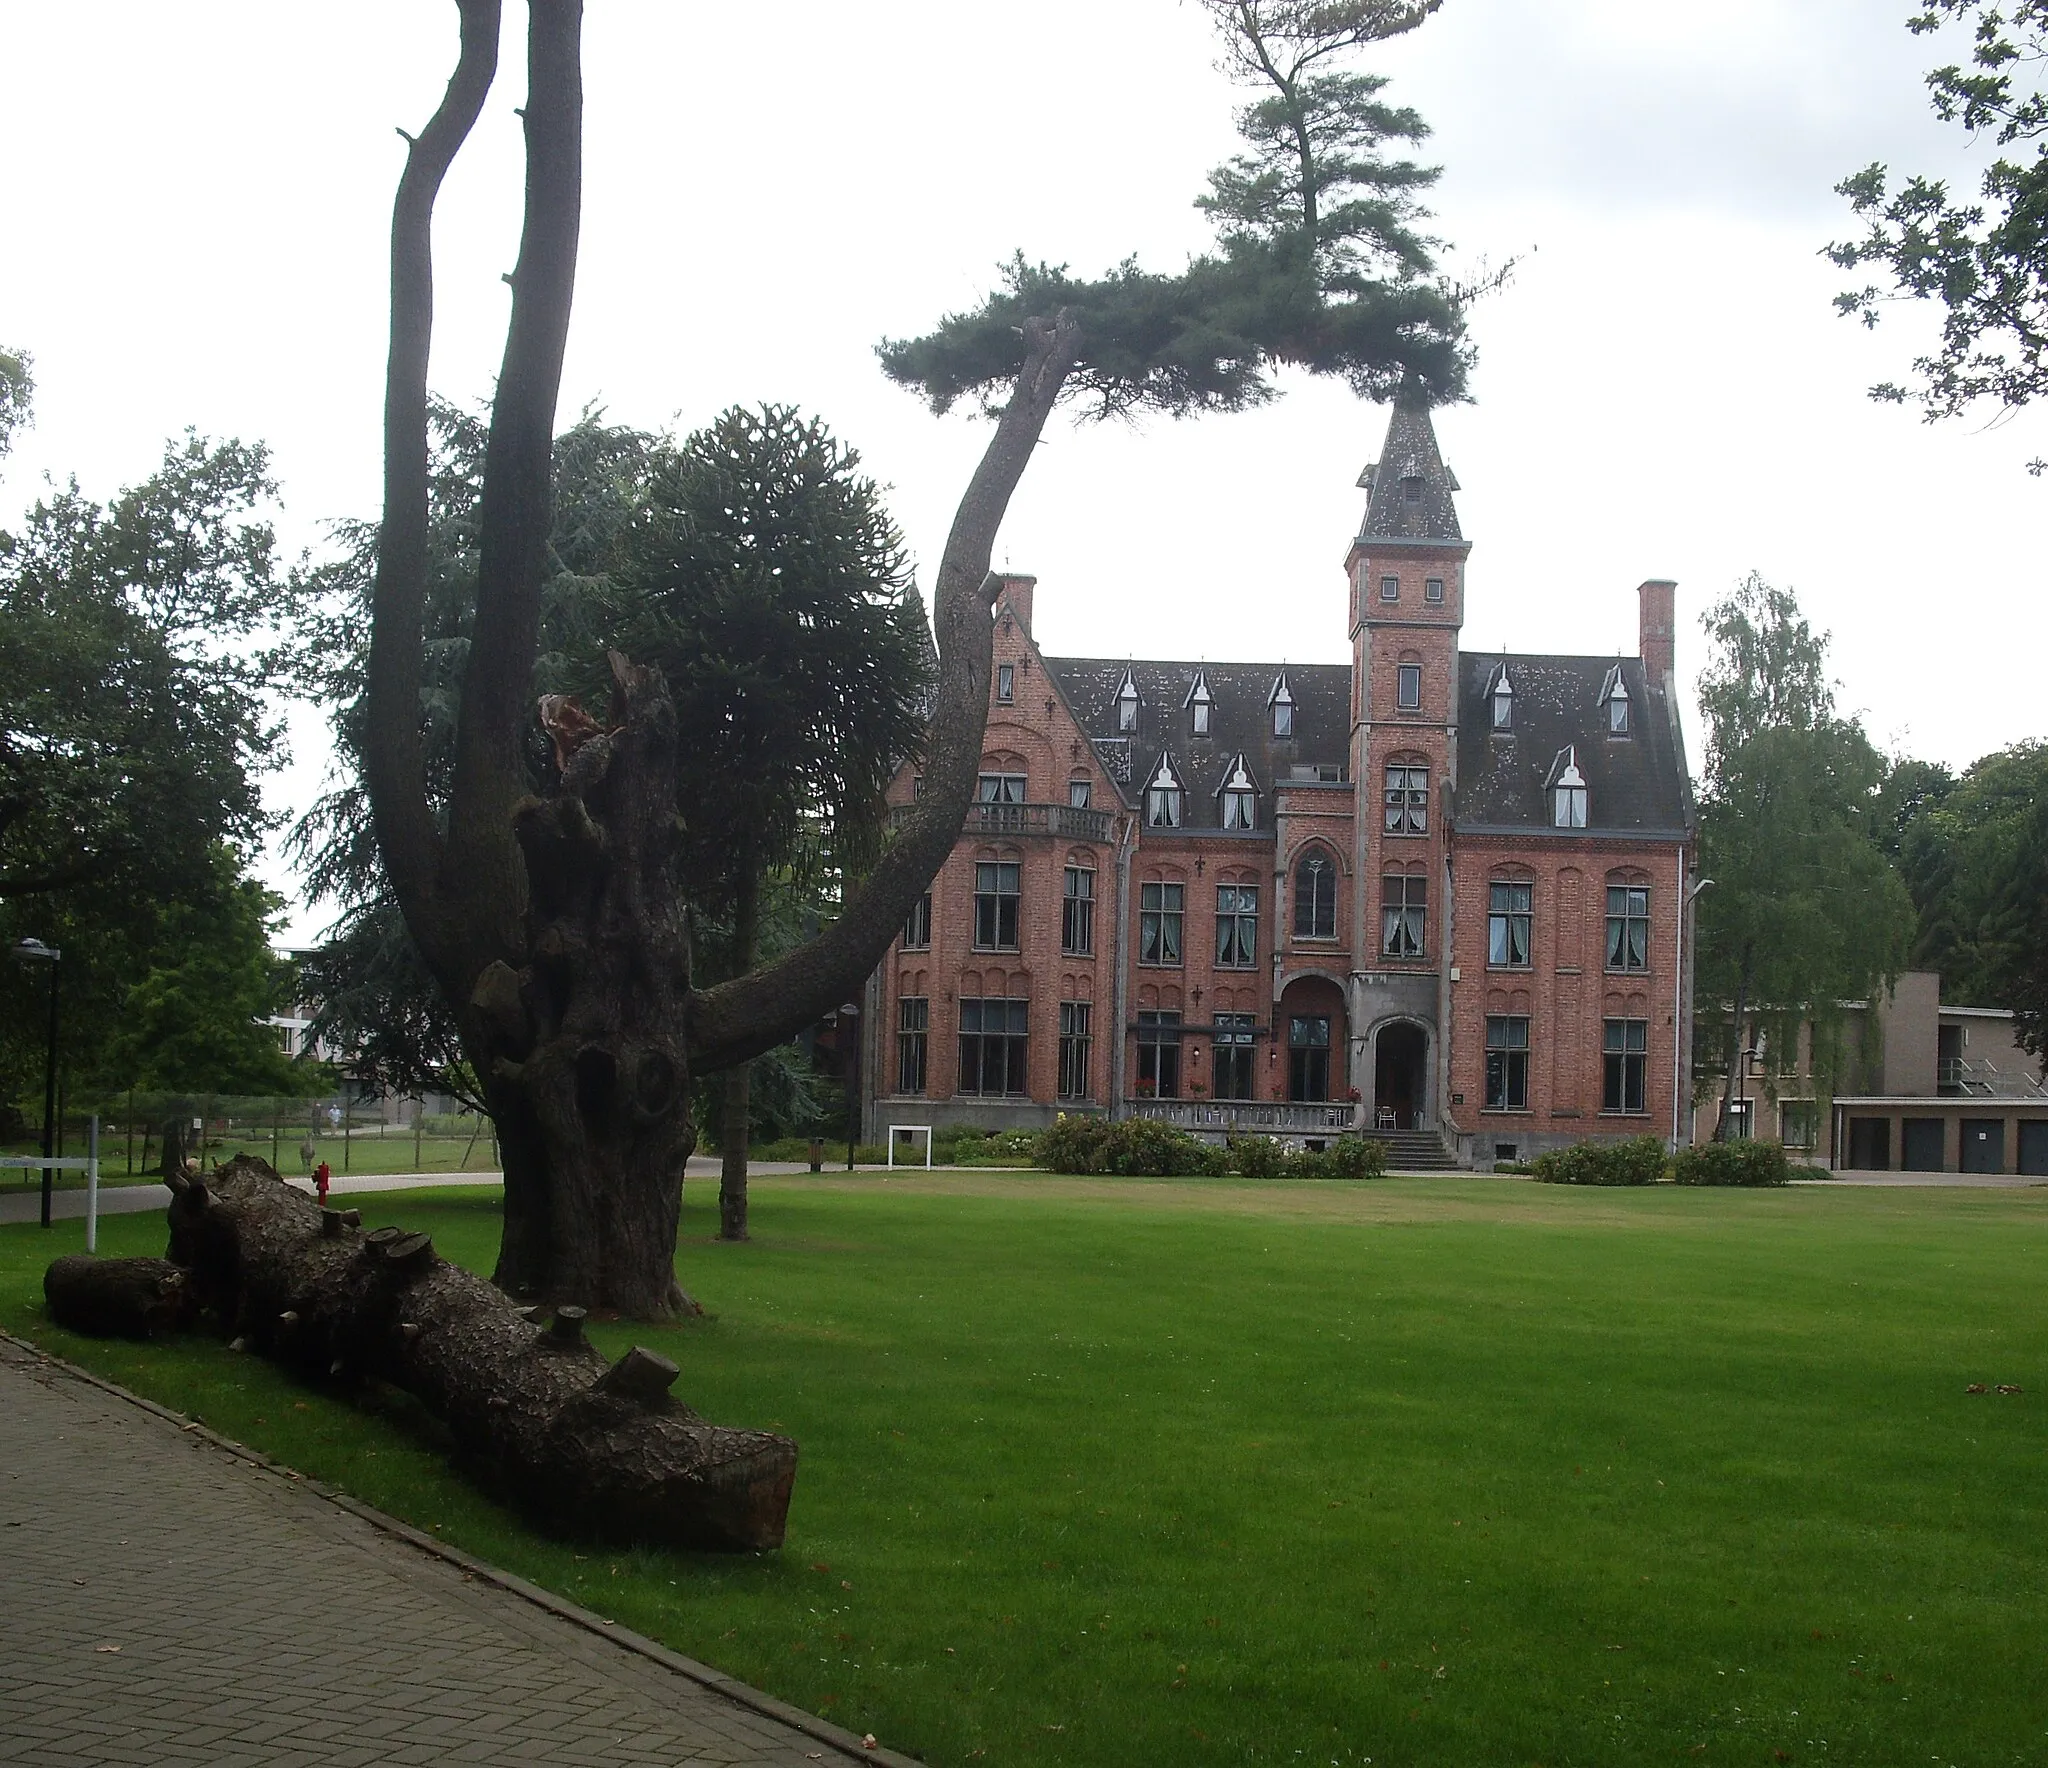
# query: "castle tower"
(1407, 585)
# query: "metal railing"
(1985, 1080)
(1062, 820)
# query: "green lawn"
(1457, 1472)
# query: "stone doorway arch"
(1400, 1076)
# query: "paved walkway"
(169, 1602)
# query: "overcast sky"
(198, 197)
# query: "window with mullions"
(1308, 1058)
(1236, 1074)
(994, 1045)
(1624, 1065)
(996, 889)
(917, 925)
(1237, 926)
(913, 1024)
(1508, 916)
(1628, 927)
(1158, 1055)
(1507, 1062)
(999, 788)
(1404, 910)
(1077, 913)
(1315, 897)
(1407, 801)
(1161, 908)
(1075, 1044)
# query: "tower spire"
(1409, 488)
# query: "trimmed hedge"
(1143, 1147)
(1733, 1163)
(1638, 1161)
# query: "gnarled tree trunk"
(551, 923)
(588, 1041)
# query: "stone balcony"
(1247, 1117)
(1061, 820)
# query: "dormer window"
(1240, 796)
(1568, 792)
(1281, 699)
(1503, 703)
(1163, 797)
(1614, 696)
(1198, 703)
(1127, 705)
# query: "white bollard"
(92, 1186)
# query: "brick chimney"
(1658, 627)
(1017, 592)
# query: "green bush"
(1637, 1161)
(1358, 1157)
(1733, 1163)
(1257, 1157)
(1134, 1147)
(1073, 1145)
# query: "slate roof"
(1409, 486)
(1634, 785)
(1240, 721)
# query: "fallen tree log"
(116, 1297)
(538, 1417)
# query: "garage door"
(2034, 1148)
(1983, 1144)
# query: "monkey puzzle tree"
(553, 921)
(767, 582)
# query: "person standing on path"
(321, 1175)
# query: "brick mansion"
(1434, 893)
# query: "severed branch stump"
(116, 1297)
(537, 1414)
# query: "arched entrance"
(1400, 1064)
(1310, 1041)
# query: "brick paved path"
(260, 1626)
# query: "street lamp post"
(34, 951)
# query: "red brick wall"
(1567, 990)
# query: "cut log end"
(115, 1297)
(410, 1252)
(641, 1375)
(568, 1326)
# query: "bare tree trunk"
(551, 923)
(174, 1146)
(732, 1165)
(1734, 1044)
